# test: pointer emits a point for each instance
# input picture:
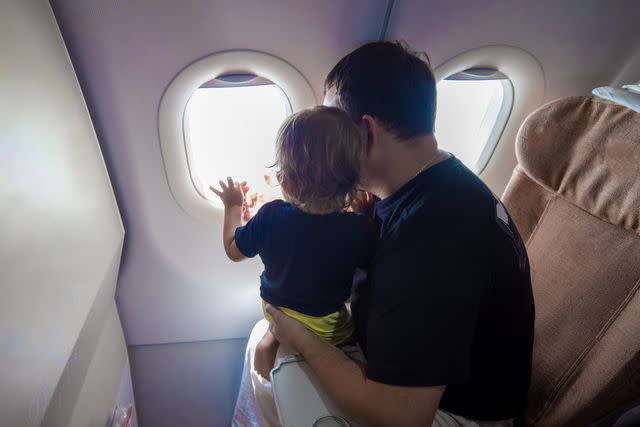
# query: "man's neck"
(408, 160)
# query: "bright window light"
(231, 131)
(471, 115)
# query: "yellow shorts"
(335, 328)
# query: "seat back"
(575, 197)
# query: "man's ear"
(370, 131)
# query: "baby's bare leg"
(265, 355)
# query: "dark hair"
(318, 153)
(391, 83)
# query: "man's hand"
(247, 207)
(287, 330)
(371, 403)
(232, 194)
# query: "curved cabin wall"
(63, 359)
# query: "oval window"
(230, 126)
(473, 108)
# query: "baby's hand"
(247, 207)
(362, 203)
(232, 193)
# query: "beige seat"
(575, 197)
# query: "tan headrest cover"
(588, 151)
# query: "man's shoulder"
(466, 200)
(449, 210)
(453, 223)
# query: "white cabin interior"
(115, 287)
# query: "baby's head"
(318, 154)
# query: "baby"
(309, 244)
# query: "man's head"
(390, 91)
(389, 82)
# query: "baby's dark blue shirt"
(309, 260)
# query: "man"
(445, 317)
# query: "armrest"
(300, 401)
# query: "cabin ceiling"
(584, 40)
(580, 43)
(126, 53)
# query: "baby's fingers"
(216, 191)
(223, 185)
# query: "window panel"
(471, 116)
(231, 131)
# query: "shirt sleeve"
(250, 237)
(423, 310)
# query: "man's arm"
(369, 402)
(232, 196)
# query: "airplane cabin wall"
(175, 280)
(630, 73)
(581, 44)
(63, 358)
(178, 295)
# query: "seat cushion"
(575, 197)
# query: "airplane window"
(230, 130)
(473, 107)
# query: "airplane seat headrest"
(588, 152)
(575, 198)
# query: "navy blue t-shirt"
(309, 260)
(448, 298)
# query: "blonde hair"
(318, 152)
